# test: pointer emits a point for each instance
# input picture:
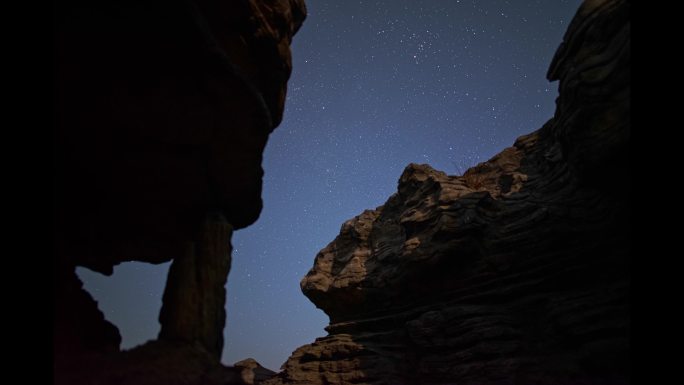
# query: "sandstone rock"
(193, 309)
(163, 109)
(516, 272)
(251, 372)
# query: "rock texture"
(252, 373)
(163, 109)
(516, 272)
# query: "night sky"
(376, 85)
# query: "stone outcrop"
(163, 109)
(163, 362)
(516, 272)
(194, 302)
(157, 362)
(252, 373)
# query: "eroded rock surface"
(516, 272)
(163, 109)
(251, 372)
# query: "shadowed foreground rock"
(516, 272)
(194, 302)
(163, 109)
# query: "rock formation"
(163, 109)
(252, 373)
(516, 272)
(194, 302)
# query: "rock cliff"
(516, 272)
(162, 111)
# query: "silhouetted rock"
(516, 272)
(153, 363)
(194, 302)
(163, 109)
(80, 327)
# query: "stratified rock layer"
(516, 272)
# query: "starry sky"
(376, 85)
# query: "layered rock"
(163, 109)
(516, 272)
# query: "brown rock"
(163, 109)
(251, 372)
(516, 272)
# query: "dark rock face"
(193, 309)
(77, 307)
(163, 109)
(516, 272)
(154, 363)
